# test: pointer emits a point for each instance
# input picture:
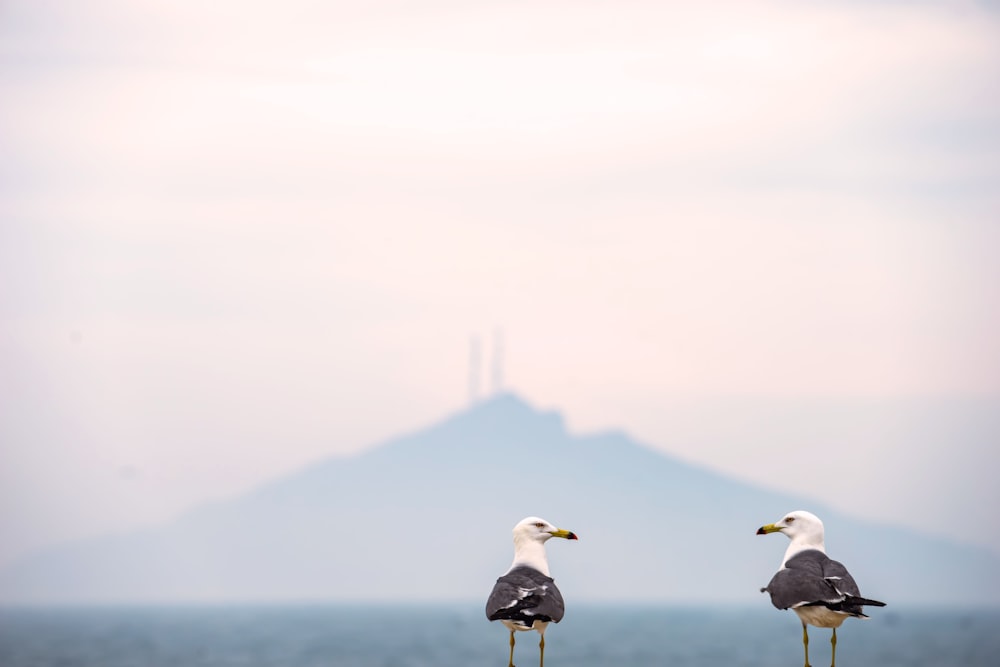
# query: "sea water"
(458, 635)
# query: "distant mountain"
(428, 516)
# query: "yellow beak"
(769, 528)
(569, 535)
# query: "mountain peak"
(507, 402)
(509, 414)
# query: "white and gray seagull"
(525, 597)
(820, 590)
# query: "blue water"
(454, 636)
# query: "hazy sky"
(237, 237)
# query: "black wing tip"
(864, 601)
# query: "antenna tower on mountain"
(496, 379)
(475, 362)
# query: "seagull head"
(533, 529)
(800, 526)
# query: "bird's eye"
(539, 524)
(789, 519)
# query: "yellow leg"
(541, 652)
(805, 643)
(833, 643)
(510, 663)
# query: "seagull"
(525, 597)
(820, 590)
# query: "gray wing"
(840, 578)
(525, 595)
(811, 578)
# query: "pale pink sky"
(236, 239)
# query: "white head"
(530, 535)
(804, 529)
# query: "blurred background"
(239, 238)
